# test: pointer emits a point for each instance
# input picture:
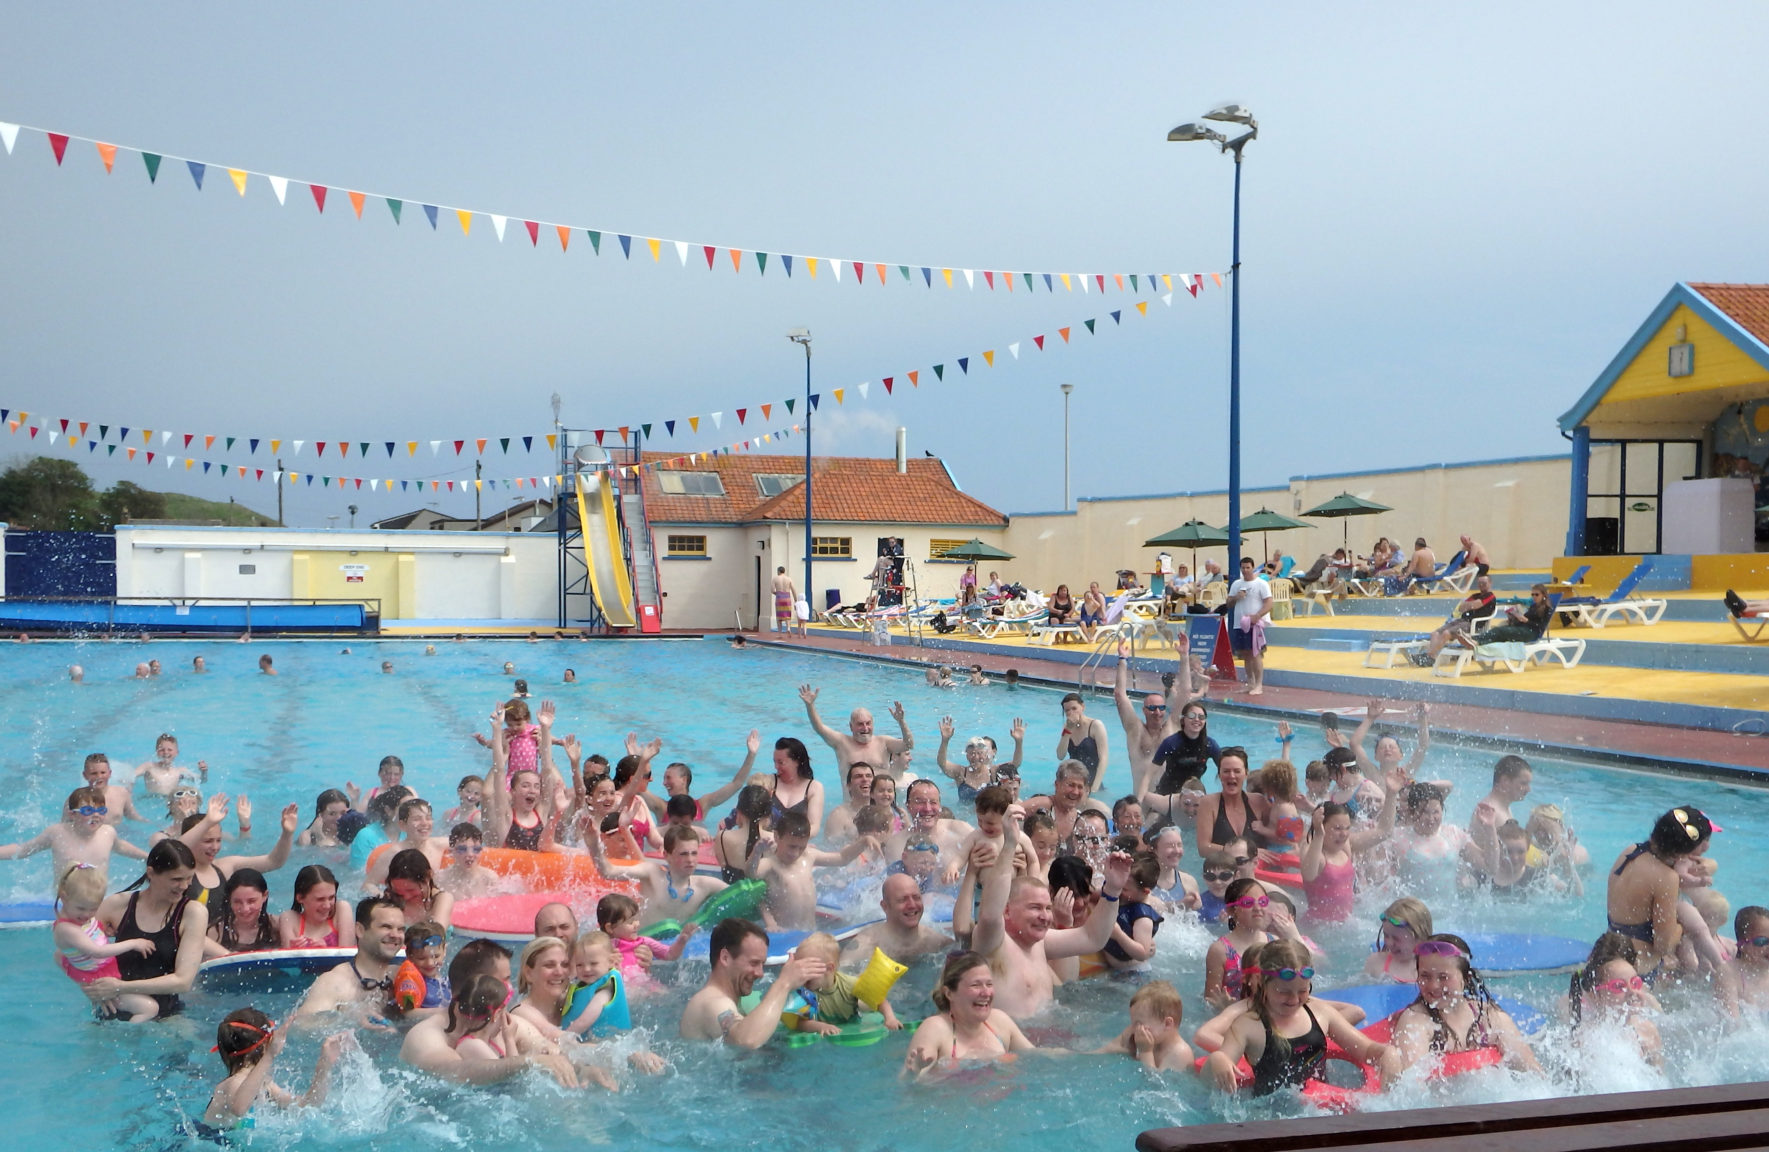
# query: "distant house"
(723, 525)
(524, 517)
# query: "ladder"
(639, 542)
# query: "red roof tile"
(1746, 304)
(847, 489)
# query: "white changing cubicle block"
(1709, 517)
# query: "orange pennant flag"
(811, 263)
(654, 245)
(1119, 277)
(736, 259)
(239, 179)
(1217, 276)
(766, 408)
(83, 427)
(1064, 333)
(989, 357)
(208, 443)
(624, 429)
(694, 423)
(356, 199)
(107, 153)
(912, 379)
(1142, 306)
(881, 276)
(131, 453)
(564, 236)
(466, 219)
(481, 443)
(1009, 278)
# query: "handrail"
(1087, 679)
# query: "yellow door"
(366, 576)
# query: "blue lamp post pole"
(1232, 114)
(803, 336)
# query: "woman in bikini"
(316, 917)
(1228, 815)
(968, 1026)
(1644, 885)
(750, 818)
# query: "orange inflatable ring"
(550, 871)
(1318, 1092)
(1290, 875)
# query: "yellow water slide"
(604, 555)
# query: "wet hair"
(1039, 821)
(1473, 987)
(676, 834)
(849, 777)
(407, 807)
(1414, 912)
(1234, 752)
(592, 939)
(477, 997)
(1610, 947)
(1509, 768)
(166, 856)
(470, 778)
(957, 964)
(1315, 772)
(531, 952)
(1419, 794)
(727, 937)
(624, 769)
(1331, 809)
(1273, 955)
(326, 799)
(475, 958)
(1277, 781)
(1073, 698)
(796, 752)
(307, 878)
(516, 708)
(1338, 760)
(922, 783)
(463, 832)
(184, 825)
(994, 799)
(1252, 975)
(872, 820)
(1160, 996)
(411, 864)
(1238, 888)
(246, 878)
(1679, 832)
(95, 758)
(756, 804)
(687, 773)
(1145, 870)
(615, 907)
(680, 806)
(1073, 768)
(1745, 917)
(242, 1038)
(365, 908)
(1073, 873)
(1220, 859)
(416, 934)
(82, 884)
(384, 808)
(793, 823)
(1121, 804)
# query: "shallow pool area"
(328, 717)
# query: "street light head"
(1188, 132)
(1230, 114)
(799, 335)
(1068, 388)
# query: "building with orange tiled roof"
(1671, 442)
(723, 525)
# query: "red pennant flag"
(859, 272)
(459, 444)
(1100, 279)
(60, 144)
(150, 457)
(260, 472)
(913, 382)
(1064, 333)
(599, 432)
(708, 249)
(1039, 340)
(451, 485)
(741, 413)
(358, 482)
(321, 445)
(64, 426)
(319, 196)
(188, 437)
(887, 384)
(990, 278)
(1192, 287)
(534, 233)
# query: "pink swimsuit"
(1330, 893)
(84, 969)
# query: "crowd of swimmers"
(1045, 887)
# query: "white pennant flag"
(1015, 349)
(279, 185)
(547, 481)
(1185, 281)
(171, 460)
(8, 136)
(297, 444)
(718, 419)
(863, 389)
(52, 436)
(435, 447)
(1082, 276)
(278, 476)
(165, 436)
(682, 252)
(497, 223)
(372, 484)
(970, 279)
(837, 266)
(1167, 299)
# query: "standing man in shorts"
(1249, 601)
(785, 602)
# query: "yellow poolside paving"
(1711, 689)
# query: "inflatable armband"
(881, 974)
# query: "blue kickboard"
(26, 913)
(1380, 1001)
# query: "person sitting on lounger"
(1523, 626)
(1479, 605)
(1740, 607)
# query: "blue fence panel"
(61, 563)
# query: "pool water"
(330, 717)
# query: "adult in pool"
(902, 935)
(1084, 738)
(861, 743)
(411, 882)
(473, 1042)
(792, 783)
(322, 831)
(364, 981)
(543, 981)
(968, 1026)
(202, 835)
(431, 1043)
(1147, 728)
(1455, 1012)
(164, 913)
(1644, 885)
(857, 794)
(739, 954)
(1226, 815)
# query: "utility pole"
(478, 520)
(280, 523)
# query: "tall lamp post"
(803, 336)
(1230, 114)
(1067, 388)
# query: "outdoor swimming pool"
(330, 717)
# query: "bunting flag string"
(879, 272)
(171, 448)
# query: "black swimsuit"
(1086, 751)
(1307, 1051)
(162, 961)
(1640, 932)
(524, 839)
(1221, 831)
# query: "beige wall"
(1517, 508)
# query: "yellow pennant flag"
(552, 440)
(1167, 280)
(466, 218)
(187, 463)
(811, 263)
(1067, 287)
(947, 273)
(276, 445)
(147, 435)
(1142, 306)
(654, 247)
(239, 179)
(838, 394)
(411, 447)
(989, 357)
(478, 484)
(694, 423)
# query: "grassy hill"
(194, 508)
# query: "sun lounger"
(1452, 576)
(1595, 613)
(1515, 656)
(1750, 625)
(990, 627)
(1394, 648)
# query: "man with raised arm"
(862, 746)
(739, 954)
(1143, 734)
(1013, 926)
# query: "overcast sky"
(1453, 218)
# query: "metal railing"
(371, 606)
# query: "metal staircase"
(640, 547)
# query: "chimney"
(902, 450)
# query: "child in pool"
(1318, 783)
(1328, 874)
(832, 1000)
(469, 792)
(1608, 989)
(1040, 828)
(249, 1042)
(1247, 906)
(420, 982)
(598, 1002)
(1283, 825)
(465, 877)
(618, 916)
(1132, 944)
(1219, 873)
(884, 795)
(785, 860)
(1751, 926)
(1175, 891)
(81, 837)
(163, 773)
(85, 952)
(1153, 1039)
(1404, 924)
(992, 803)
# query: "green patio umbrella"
(975, 550)
(1265, 522)
(1193, 534)
(1346, 505)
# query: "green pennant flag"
(904, 269)
(103, 431)
(505, 441)
(153, 167)
(364, 445)
(1133, 286)
(789, 407)
(762, 263)
(111, 449)
(394, 206)
(647, 430)
(940, 371)
(230, 443)
(1030, 287)
(1089, 324)
(595, 240)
